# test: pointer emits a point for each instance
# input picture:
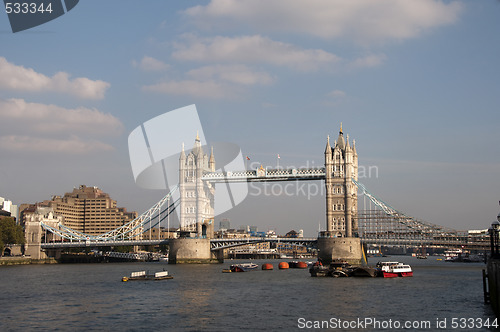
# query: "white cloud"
(148, 63)
(34, 127)
(364, 21)
(20, 116)
(239, 74)
(205, 89)
(337, 94)
(371, 60)
(213, 82)
(251, 49)
(72, 145)
(19, 78)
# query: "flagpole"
(278, 162)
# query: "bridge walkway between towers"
(263, 175)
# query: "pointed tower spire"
(328, 149)
(197, 145)
(211, 161)
(340, 139)
(183, 154)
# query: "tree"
(123, 249)
(10, 233)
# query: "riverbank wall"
(7, 261)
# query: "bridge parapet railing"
(278, 172)
(228, 174)
(222, 175)
(311, 171)
(262, 173)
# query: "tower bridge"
(346, 225)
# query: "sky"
(415, 83)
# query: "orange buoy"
(283, 265)
(301, 265)
(267, 266)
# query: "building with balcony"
(86, 209)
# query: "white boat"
(452, 254)
(394, 269)
(143, 275)
(243, 267)
(464, 256)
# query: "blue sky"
(416, 83)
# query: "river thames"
(91, 297)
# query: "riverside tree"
(10, 233)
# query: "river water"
(91, 297)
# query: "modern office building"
(7, 206)
(90, 210)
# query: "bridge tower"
(196, 196)
(196, 208)
(341, 165)
(340, 240)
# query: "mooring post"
(486, 293)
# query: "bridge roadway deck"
(218, 244)
(93, 244)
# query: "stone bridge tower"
(341, 164)
(196, 196)
(196, 209)
(340, 241)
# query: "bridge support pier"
(219, 255)
(33, 240)
(186, 250)
(347, 249)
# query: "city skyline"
(416, 87)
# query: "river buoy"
(301, 265)
(283, 266)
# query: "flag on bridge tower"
(278, 156)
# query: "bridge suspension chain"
(126, 232)
(423, 229)
(389, 210)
